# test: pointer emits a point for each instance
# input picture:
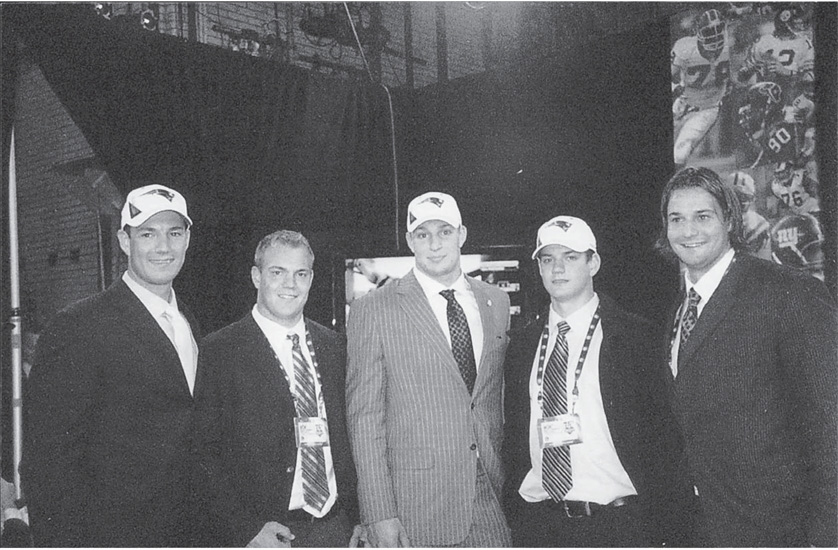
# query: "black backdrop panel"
(253, 145)
(587, 133)
(256, 146)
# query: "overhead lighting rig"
(252, 43)
(327, 22)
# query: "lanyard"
(545, 334)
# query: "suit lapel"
(140, 324)
(261, 355)
(415, 304)
(721, 302)
(528, 346)
(486, 318)
(609, 379)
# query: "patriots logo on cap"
(133, 210)
(163, 193)
(435, 200)
(560, 223)
(412, 218)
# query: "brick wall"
(58, 230)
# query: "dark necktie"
(689, 319)
(315, 482)
(460, 339)
(555, 468)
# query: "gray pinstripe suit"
(414, 430)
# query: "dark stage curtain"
(254, 145)
(585, 132)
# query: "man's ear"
(408, 236)
(124, 241)
(256, 276)
(594, 264)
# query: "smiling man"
(423, 389)
(752, 352)
(270, 415)
(109, 404)
(590, 445)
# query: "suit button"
(472, 406)
(473, 447)
(289, 469)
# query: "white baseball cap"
(433, 206)
(144, 202)
(566, 231)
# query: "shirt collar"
(153, 303)
(433, 287)
(579, 319)
(710, 281)
(269, 326)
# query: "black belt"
(580, 509)
(301, 515)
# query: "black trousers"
(332, 532)
(545, 525)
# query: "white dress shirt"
(277, 336)
(597, 473)
(466, 299)
(157, 306)
(705, 287)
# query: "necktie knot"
(448, 294)
(295, 339)
(563, 328)
(694, 298)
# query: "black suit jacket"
(245, 419)
(108, 429)
(756, 398)
(634, 394)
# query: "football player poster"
(743, 105)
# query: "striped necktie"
(315, 482)
(555, 468)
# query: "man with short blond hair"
(271, 415)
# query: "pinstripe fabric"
(414, 430)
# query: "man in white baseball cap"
(144, 202)
(107, 451)
(590, 446)
(424, 385)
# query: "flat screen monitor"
(363, 275)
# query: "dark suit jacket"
(245, 417)
(108, 424)
(756, 398)
(634, 394)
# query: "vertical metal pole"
(15, 320)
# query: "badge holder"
(311, 431)
(559, 431)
